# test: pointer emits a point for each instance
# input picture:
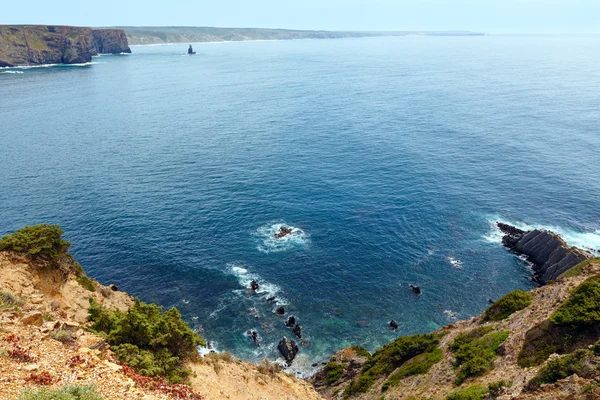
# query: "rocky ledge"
(548, 253)
(40, 44)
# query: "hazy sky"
(492, 16)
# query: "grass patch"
(562, 367)
(475, 392)
(71, 392)
(494, 387)
(575, 324)
(391, 356)
(418, 365)
(333, 372)
(8, 300)
(154, 343)
(86, 283)
(361, 351)
(40, 241)
(507, 305)
(475, 352)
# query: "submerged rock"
(548, 253)
(288, 349)
(415, 289)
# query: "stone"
(291, 321)
(393, 324)
(254, 285)
(297, 331)
(283, 231)
(288, 349)
(113, 287)
(34, 318)
(415, 289)
(280, 310)
(31, 367)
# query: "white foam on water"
(584, 240)
(270, 244)
(451, 314)
(265, 289)
(12, 72)
(456, 263)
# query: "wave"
(268, 243)
(584, 240)
(265, 289)
(456, 263)
(24, 67)
(12, 72)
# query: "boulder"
(297, 331)
(415, 289)
(254, 285)
(280, 310)
(113, 287)
(393, 324)
(34, 318)
(290, 322)
(283, 231)
(549, 255)
(288, 349)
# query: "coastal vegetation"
(507, 305)
(71, 392)
(562, 367)
(42, 241)
(575, 324)
(475, 352)
(152, 342)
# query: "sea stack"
(288, 349)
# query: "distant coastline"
(172, 34)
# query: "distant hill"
(185, 34)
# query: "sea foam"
(268, 243)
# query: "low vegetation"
(507, 305)
(418, 365)
(575, 324)
(152, 342)
(9, 300)
(475, 352)
(333, 372)
(37, 242)
(475, 392)
(86, 283)
(71, 392)
(391, 356)
(268, 368)
(579, 268)
(562, 367)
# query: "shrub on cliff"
(575, 324)
(562, 367)
(71, 392)
(153, 342)
(417, 365)
(475, 392)
(37, 242)
(475, 352)
(391, 356)
(507, 305)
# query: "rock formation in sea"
(288, 349)
(42, 44)
(548, 253)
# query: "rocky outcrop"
(110, 41)
(548, 253)
(288, 349)
(41, 44)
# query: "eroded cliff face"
(41, 44)
(111, 41)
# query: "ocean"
(391, 157)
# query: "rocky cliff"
(548, 253)
(41, 44)
(111, 41)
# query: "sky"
(488, 16)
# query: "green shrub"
(361, 351)
(495, 387)
(475, 392)
(475, 355)
(64, 336)
(561, 367)
(40, 241)
(70, 392)
(418, 365)
(582, 307)
(153, 342)
(86, 283)
(508, 304)
(333, 372)
(469, 336)
(8, 299)
(391, 356)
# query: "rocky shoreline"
(549, 255)
(43, 44)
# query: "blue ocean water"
(392, 157)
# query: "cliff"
(67, 335)
(541, 344)
(110, 41)
(40, 44)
